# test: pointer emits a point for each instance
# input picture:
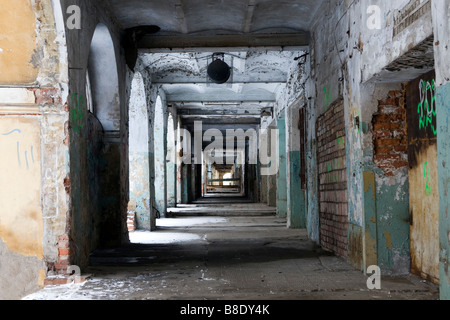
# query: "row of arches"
(118, 142)
(151, 139)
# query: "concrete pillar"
(160, 157)
(171, 165)
(441, 22)
(139, 153)
(264, 189)
(179, 167)
(185, 180)
(192, 182)
(271, 179)
(281, 177)
(296, 208)
(151, 96)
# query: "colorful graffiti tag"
(427, 105)
(426, 174)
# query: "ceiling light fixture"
(218, 70)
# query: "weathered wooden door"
(423, 178)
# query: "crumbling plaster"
(346, 60)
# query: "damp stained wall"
(33, 135)
(85, 233)
(171, 155)
(139, 154)
(423, 176)
(345, 60)
(290, 97)
(21, 225)
(282, 170)
(160, 137)
(441, 25)
(18, 49)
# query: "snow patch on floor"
(165, 236)
(146, 237)
(188, 222)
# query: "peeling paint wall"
(290, 200)
(160, 136)
(423, 178)
(269, 183)
(19, 52)
(113, 194)
(351, 61)
(441, 25)
(171, 166)
(33, 136)
(390, 159)
(282, 169)
(139, 154)
(296, 205)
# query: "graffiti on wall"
(326, 96)
(427, 105)
(24, 157)
(77, 112)
(332, 175)
(426, 175)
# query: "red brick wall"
(333, 198)
(389, 133)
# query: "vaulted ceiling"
(260, 39)
(232, 16)
(251, 91)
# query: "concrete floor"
(228, 258)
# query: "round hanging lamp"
(218, 71)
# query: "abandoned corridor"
(285, 149)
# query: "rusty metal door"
(423, 178)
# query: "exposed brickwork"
(131, 217)
(333, 198)
(131, 223)
(47, 96)
(59, 273)
(63, 254)
(389, 133)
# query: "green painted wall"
(295, 195)
(140, 188)
(386, 223)
(312, 199)
(443, 115)
(392, 206)
(281, 177)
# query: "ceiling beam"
(250, 117)
(225, 97)
(249, 15)
(223, 127)
(230, 112)
(227, 42)
(223, 121)
(180, 16)
(279, 77)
